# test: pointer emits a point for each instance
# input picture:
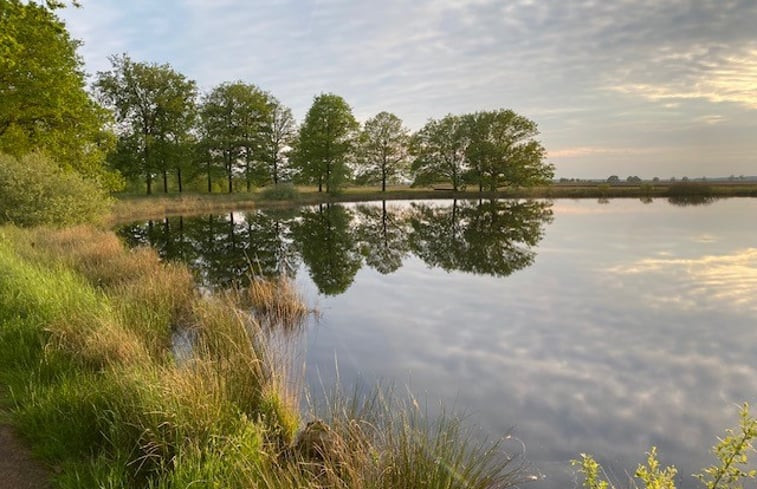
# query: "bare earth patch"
(18, 469)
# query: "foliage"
(590, 469)
(652, 476)
(438, 151)
(278, 137)
(383, 149)
(325, 143)
(501, 150)
(282, 191)
(45, 106)
(154, 106)
(233, 121)
(37, 191)
(732, 453)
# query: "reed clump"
(275, 301)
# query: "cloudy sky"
(641, 87)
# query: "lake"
(575, 325)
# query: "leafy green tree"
(278, 138)
(326, 141)
(501, 150)
(438, 151)
(43, 102)
(234, 117)
(383, 152)
(155, 109)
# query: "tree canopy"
(489, 148)
(45, 106)
(234, 119)
(326, 141)
(154, 106)
(383, 150)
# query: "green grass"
(93, 386)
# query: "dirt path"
(18, 469)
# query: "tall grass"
(85, 349)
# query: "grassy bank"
(130, 207)
(96, 387)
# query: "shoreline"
(130, 207)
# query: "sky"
(627, 87)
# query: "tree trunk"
(320, 183)
(149, 183)
(165, 181)
(178, 178)
(275, 170)
(210, 186)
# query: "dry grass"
(276, 302)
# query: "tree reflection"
(328, 247)
(488, 237)
(334, 241)
(382, 236)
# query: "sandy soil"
(18, 469)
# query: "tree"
(43, 102)
(383, 151)
(501, 150)
(613, 179)
(438, 150)
(278, 137)
(155, 109)
(234, 117)
(325, 142)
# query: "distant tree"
(684, 179)
(656, 179)
(326, 141)
(43, 102)
(278, 137)
(502, 150)
(383, 150)
(438, 151)
(234, 118)
(155, 109)
(633, 179)
(613, 179)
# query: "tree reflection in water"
(334, 241)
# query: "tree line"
(240, 132)
(148, 123)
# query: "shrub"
(282, 191)
(37, 191)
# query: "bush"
(37, 191)
(282, 191)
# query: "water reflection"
(335, 241)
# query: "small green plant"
(590, 469)
(732, 453)
(652, 476)
(281, 191)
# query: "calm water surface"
(578, 326)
